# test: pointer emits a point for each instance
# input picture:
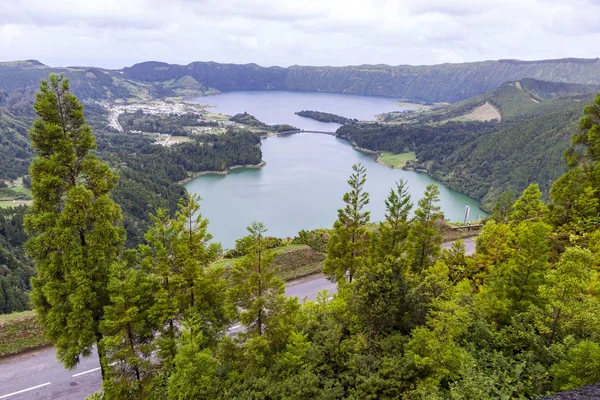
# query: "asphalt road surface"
(38, 375)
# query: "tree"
(424, 236)
(348, 245)
(575, 195)
(195, 370)
(259, 295)
(378, 295)
(178, 256)
(512, 286)
(128, 330)
(75, 225)
(494, 245)
(529, 206)
(503, 207)
(394, 229)
(568, 306)
(580, 367)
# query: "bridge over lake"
(304, 131)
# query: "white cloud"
(116, 33)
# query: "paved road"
(37, 375)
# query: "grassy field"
(20, 332)
(295, 261)
(179, 139)
(14, 203)
(396, 160)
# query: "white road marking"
(235, 327)
(86, 372)
(24, 390)
(91, 370)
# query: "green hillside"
(437, 83)
(483, 159)
(526, 98)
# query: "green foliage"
(75, 225)
(16, 268)
(259, 295)
(424, 236)
(394, 229)
(348, 246)
(325, 117)
(528, 207)
(20, 332)
(580, 366)
(317, 239)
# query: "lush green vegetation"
(20, 332)
(396, 160)
(325, 117)
(16, 269)
(483, 159)
(251, 121)
(518, 319)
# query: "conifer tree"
(569, 307)
(75, 225)
(424, 236)
(128, 331)
(259, 295)
(503, 207)
(348, 246)
(394, 230)
(529, 206)
(178, 257)
(575, 195)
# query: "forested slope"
(483, 159)
(436, 83)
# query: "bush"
(316, 238)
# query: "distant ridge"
(443, 83)
(436, 83)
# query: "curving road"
(38, 375)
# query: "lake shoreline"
(226, 171)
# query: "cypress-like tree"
(128, 331)
(75, 225)
(259, 295)
(424, 236)
(178, 256)
(394, 230)
(348, 246)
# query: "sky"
(119, 33)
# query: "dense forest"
(16, 269)
(484, 159)
(518, 319)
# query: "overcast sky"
(118, 33)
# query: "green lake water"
(301, 187)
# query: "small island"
(326, 117)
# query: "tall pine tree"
(75, 225)
(424, 236)
(394, 230)
(348, 247)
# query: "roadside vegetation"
(20, 332)
(519, 318)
